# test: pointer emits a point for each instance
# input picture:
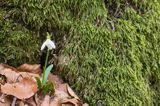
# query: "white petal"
(43, 46)
(53, 44)
(50, 44)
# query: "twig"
(14, 101)
(35, 99)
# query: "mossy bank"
(109, 51)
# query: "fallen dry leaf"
(55, 79)
(72, 102)
(4, 101)
(61, 94)
(35, 68)
(65, 95)
(29, 102)
(21, 84)
(9, 73)
(46, 101)
(55, 102)
(71, 92)
(62, 87)
(22, 90)
(13, 75)
(2, 98)
(58, 97)
(7, 66)
(85, 104)
(21, 103)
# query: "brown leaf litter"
(23, 89)
(19, 88)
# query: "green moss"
(109, 50)
(117, 65)
(18, 44)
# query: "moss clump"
(18, 44)
(110, 48)
(116, 65)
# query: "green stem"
(44, 69)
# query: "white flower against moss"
(49, 44)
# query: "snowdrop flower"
(49, 44)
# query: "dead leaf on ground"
(7, 103)
(10, 74)
(22, 90)
(13, 75)
(65, 95)
(55, 102)
(62, 87)
(21, 103)
(72, 102)
(46, 101)
(2, 98)
(55, 80)
(85, 104)
(58, 97)
(21, 84)
(72, 93)
(61, 94)
(65, 88)
(35, 68)
(4, 101)
(7, 66)
(31, 101)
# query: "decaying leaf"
(65, 95)
(9, 73)
(22, 90)
(71, 92)
(21, 83)
(85, 104)
(61, 94)
(21, 103)
(35, 68)
(29, 102)
(13, 75)
(55, 102)
(65, 87)
(7, 66)
(55, 80)
(72, 102)
(6, 102)
(46, 101)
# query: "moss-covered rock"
(109, 50)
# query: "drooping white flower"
(49, 44)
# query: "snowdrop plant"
(46, 70)
(44, 85)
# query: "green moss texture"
(18, 45)
(109, 50)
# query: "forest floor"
(19, 88)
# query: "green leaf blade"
(39, 83)
(46, 73)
